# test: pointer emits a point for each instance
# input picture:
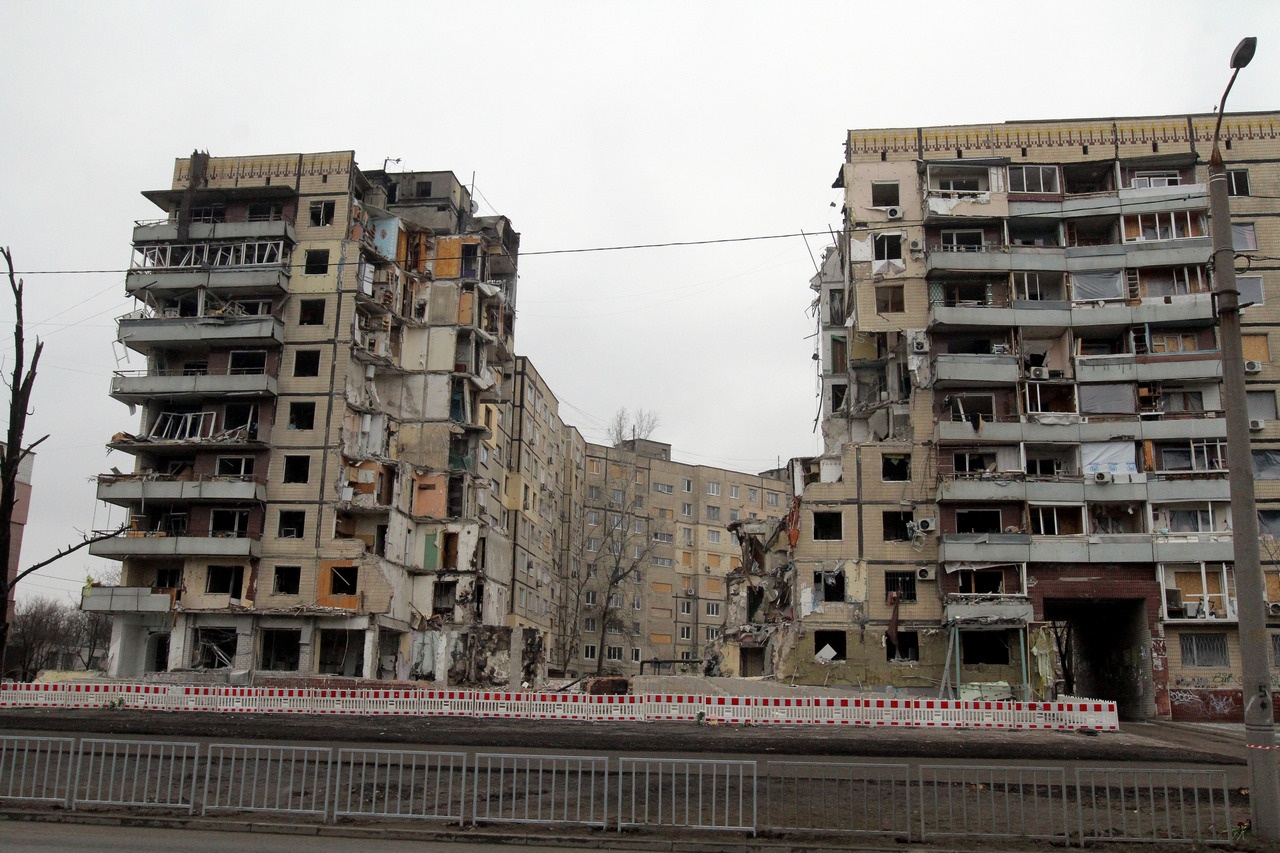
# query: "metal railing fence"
(804, 798)
(815, 796)
(37, 769)
(560, 789)
(138, 773)
(293, 779)
(992, 801)
(1175, 805)
(691, 793)
(390, 783)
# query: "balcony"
(143, 331)
(126, 599)
(241, 266)
(1001, 315)
(185, 431)
(959, 370)
(1208, 547)
(984, 548)
(131, 489)
(154, 543)
(977, 610)
(166, 231)
(139, 386)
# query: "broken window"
(306, 362)
(1033, 179)
(961, 181)
(1172, 225)
(895, 468)
(1261, 405)
(897, 526)
(829, 645)
(984, 647)
(978, 521)
(287, 579)
(1107, 399)
(884, 194)
(890, 299)
(839, 393)
(247, 362)
(342, 579)
(1055, 520)
(215, 648)
(342, 653)
(322, 213)
(281, 649)
(292, 523)
(235, 466)
(961, 240)
(302, 415)
(888, 247)
(224, 580)
(422, 189)
(229, 523)
(241, 416)
(980, 582)
(1038, 286)
(902, 583)
(1237, 182)
(830, 585)
(1204, 649)
(311, 312)
(317, 262)
(470, 260)
(906, 648)
(828, 526)
(297, 469)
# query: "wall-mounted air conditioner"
(1103, 477)
(927, 573)
(1253, 367)
(1256, 424)
(893, 212)
(920, 345)
(927, 525)
(916, 246)
(1274, 608)
(1038, 372)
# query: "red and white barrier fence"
(750, 710)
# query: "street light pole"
(1264, 794)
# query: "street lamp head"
(1244, 51)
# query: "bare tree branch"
(71, 549)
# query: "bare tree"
(12, 454)
(90, 630)
(40, 634)
(620, 542)
(629, 426)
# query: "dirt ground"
(1186, 745)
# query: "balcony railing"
(195, 256)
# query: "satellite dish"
(475, 207)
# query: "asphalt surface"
(1138, 742)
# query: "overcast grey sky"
(589, 124)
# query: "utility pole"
(1264, 795)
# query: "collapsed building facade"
(328, 354)
(1023, 489)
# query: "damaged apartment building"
(322, 358)
(1023, 489)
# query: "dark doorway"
(751, 662)
(1105, 652)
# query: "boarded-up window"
(1256, 348)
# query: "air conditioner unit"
(1256, 424)
(920, 345)
(927, 573)
(916, 246)
(927, 525)
(1038, 372)
(1103, 477)
(893, 212)
(1253, 367)
(1274, 608)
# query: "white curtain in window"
(1108, 284)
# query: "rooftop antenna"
(387, 160)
